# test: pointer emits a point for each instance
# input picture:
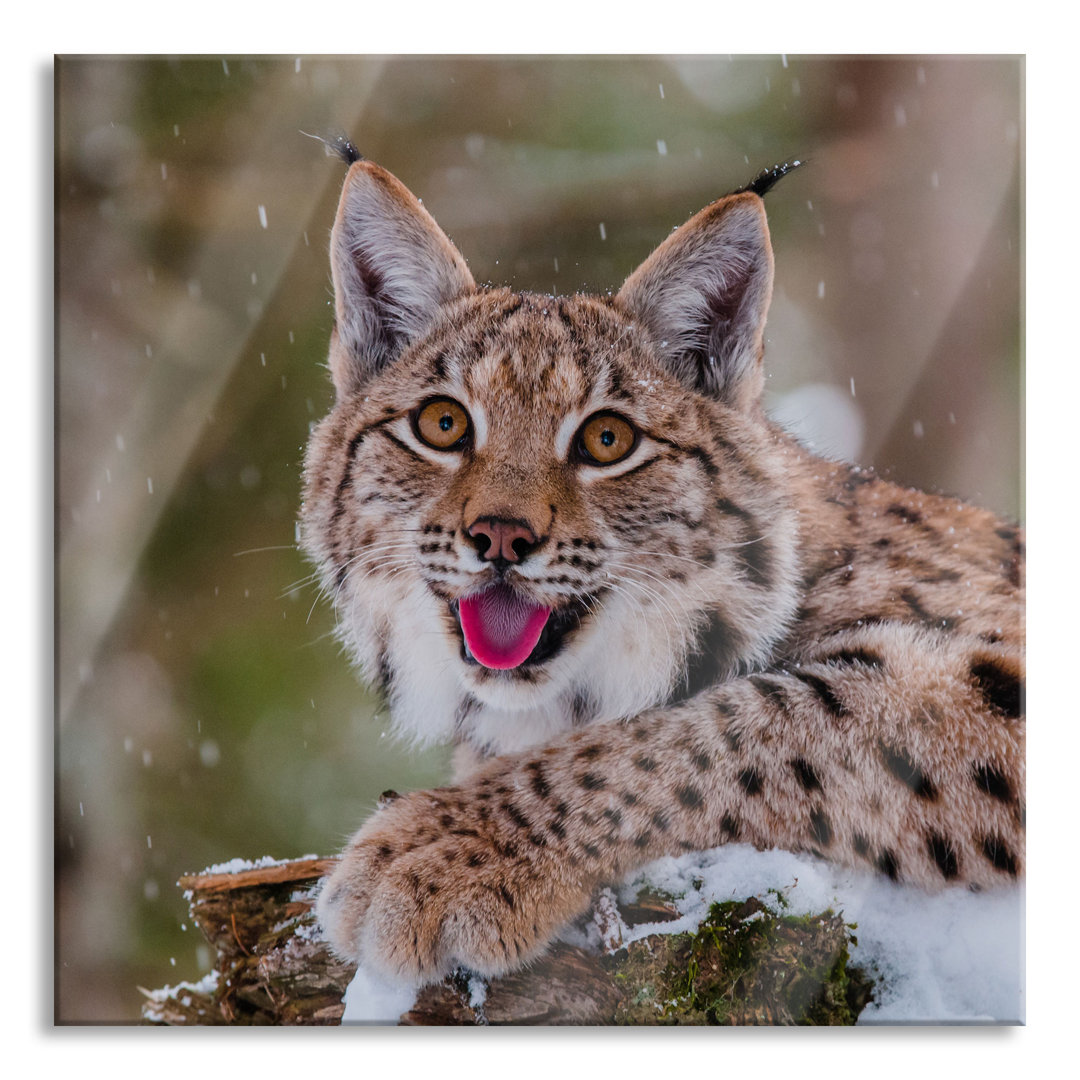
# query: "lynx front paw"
(424, 888)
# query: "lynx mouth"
(503, 630)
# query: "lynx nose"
(497, 538)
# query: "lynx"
(561, 533)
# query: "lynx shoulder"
(562, 533)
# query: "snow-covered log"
(747, 963)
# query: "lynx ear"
(703, 295)
(392, 268)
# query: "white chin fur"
(616, 665)
(405, 625)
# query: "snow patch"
(952, 956)
(235, 866)
(374, 999)
(206, 985)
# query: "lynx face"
(525, 506)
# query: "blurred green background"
(203, 709)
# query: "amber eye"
(442, 424)
(605, 438)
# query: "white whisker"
(271, 547)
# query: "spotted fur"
(752, 643)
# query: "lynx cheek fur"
(562, 533)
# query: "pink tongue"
(501, 627)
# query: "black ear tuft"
(346, 149)
(341, 145)
(768, 178)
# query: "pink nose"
(499, 539)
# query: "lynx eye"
(442, 424)
(605, 438)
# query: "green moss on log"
(746, 964)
